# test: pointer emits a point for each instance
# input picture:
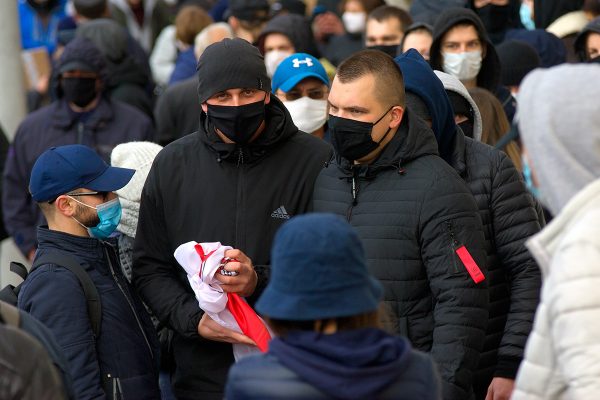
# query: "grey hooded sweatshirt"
(564, 155)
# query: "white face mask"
(308, 114)
(354, 22)
(272, 60)
(464, 66)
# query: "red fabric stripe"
(250, 324)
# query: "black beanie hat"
(517, 59)
(230, 64)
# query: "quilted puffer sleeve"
(449, 220)
(514, 220)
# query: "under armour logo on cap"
(297, 62)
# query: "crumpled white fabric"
(211, 298)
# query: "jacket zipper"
(354, 189)
(80, 132)
(453, 245)
(239, 201)
(116, 279)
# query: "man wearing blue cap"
(74, 188)
(301, 83)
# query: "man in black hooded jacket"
(416, 218)
(461, 47)
(509, 218)
(246, 171)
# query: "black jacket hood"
(489, 75)
(592, 26)
(278, 129)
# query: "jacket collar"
(278, 129)
(64, 118)
(412, 140)
(86, 249)
(544, 245)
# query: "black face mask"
(467, 128)
(495, 18)
(352, 139)
(238, 123)
(391, 49)
(595, 60)
(79, 91)
(43, 7)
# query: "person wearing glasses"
(81, 114)
(301, 83)
(74, 188)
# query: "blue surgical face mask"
(525, 14)
(534, 190)
(109, 214)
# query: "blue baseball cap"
(60, 170)
(295, 68)
(318, 271)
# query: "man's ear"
(204, 107)
(397, 113)
(483, 49)
(268, 98)
(65, 206)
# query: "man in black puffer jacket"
(416, 217)
(246, 171)
(509, 218)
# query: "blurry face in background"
(277, 48)
(354, 17)
(592, 45)
(461, 39)
(277, 41)
(419, 40)
(383, 33)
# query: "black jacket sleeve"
(514, 220)
(449, 220)
(156, 274)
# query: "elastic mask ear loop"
(83, 204)
(389, 129)
(76, 220)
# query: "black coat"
(177, 111)
(413, 212)
(509, 218)
(204, 190)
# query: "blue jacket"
(358, 364)
(127, 347)
(36, 34)
(185, 66)
(108, 125)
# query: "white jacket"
(562, 356)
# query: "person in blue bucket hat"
(322, 304)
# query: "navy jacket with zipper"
(108, 125)
(202, 189)
(127, 347)
(413, 212)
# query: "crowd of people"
(395, 200)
